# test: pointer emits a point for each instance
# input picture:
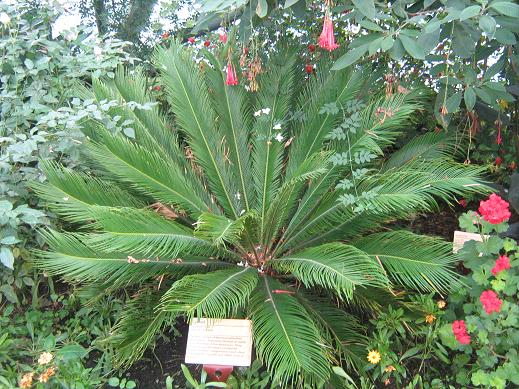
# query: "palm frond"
(213, 295)
(71, 194)
(71, 258)
(138, 325)
(233, 108)
(344, 330)
(414, 261)
(188, 95)
(218, 229)
(148, 173)
(427, 147)
(272, 103)
(287, 341)
(335, 266)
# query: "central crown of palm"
(266, 206)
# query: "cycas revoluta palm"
(265, 205)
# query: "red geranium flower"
(502, 263)
(460, 332)
(494, 210)
(491, 302)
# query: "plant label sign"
(461, 237)
(219, 342)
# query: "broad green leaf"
(453, 102)
(7, 257)
(488, 24)
(505, 37)
(375, 46)
(262, 8)
(366, 7)
(470, 12)
(506, 8)
(470, 98)
(387, 43)
(290, 3)
(350, 57)
(412, 47)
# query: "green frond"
(342, 329)
(138, 326)
(287, 340)
(71, 258)
(286, 198)
(426, 147)
(71, 194)
(148, 173)
(335, 266)
(267, 152)
(310, 133)
(233, 108)
(218, 229)
(213, 295)
(414, 261)
(144, 232)
(188, 95)
(418, 186)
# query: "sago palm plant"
(266, 205)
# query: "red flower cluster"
(327, 39)
(502, 263)
(494, 210)
(231, 78)
(460, 332)
(490, 301)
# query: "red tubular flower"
(231, 78)
(327, 39)
(499, 140)
(491, 302)
(499, 161)
(191, 40)
(460, 332)
(502, 263)
(494, 210)
(223, 38)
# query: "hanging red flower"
(191, 40)
(231, 78)
(223, 38)
(311, 47)
(499, 161)
(498, 124)
(460, 332)
(309, 68)
(502, 263)
(327, 39)
(494, 210)
(491, 302)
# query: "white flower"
(45, 358)
(279, 137)
(277, 126)
(257, 113)
(4, 18)
(266, 111)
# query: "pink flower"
(460, 332)
(231, 78)
(494, 210)
(491, 302)
(502, 263)
(191, 40)
(327, 39)
(223, 38)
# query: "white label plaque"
(461, 237)
(219, 342)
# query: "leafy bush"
(37, 75)
(261, 205)
(486, 331)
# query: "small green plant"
(484, 331)
(121, 383)
(193, 383)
